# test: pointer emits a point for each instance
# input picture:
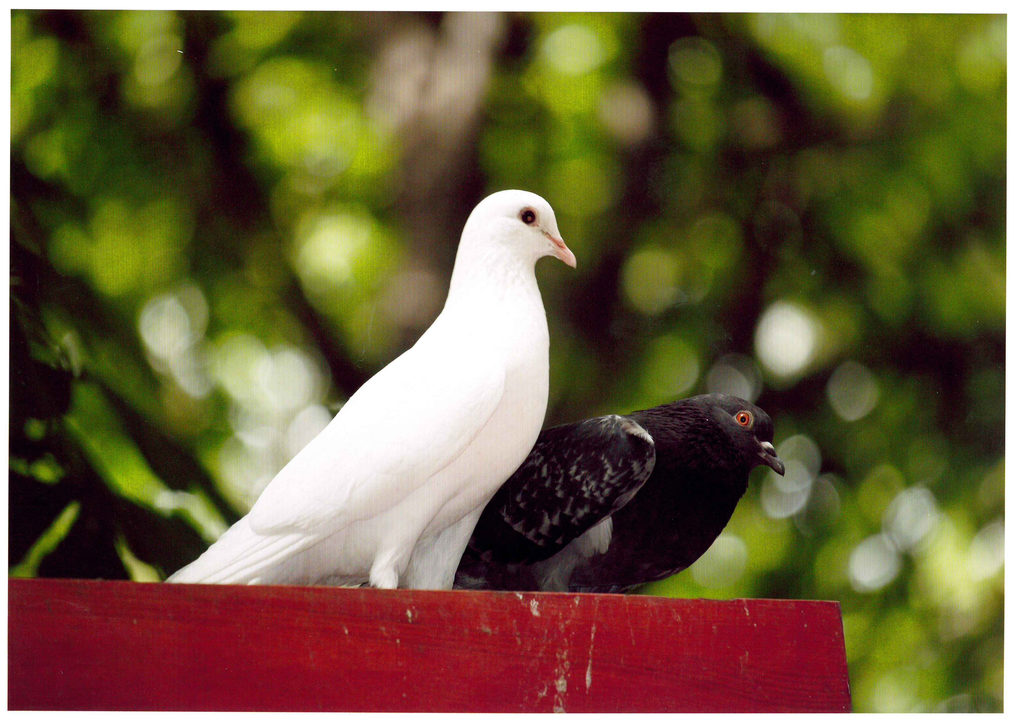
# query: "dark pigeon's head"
(749, 427)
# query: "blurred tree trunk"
(431, 80)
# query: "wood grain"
(103, 645)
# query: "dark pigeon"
(609, 503)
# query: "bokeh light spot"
(849, 72)
(288, 378)
(165, 326)
(573, 50)
(650, 280)
(328, 246)
(736, 375)
(234, 357)
(695, 61)
(783, 496)
(981, 59)
(852, 391)
(986, 551)
(802, 448)
(723, 563)
(873, 564)
(305, 426)
(786, 338)
(626, 112)
(910, 517)
(158, 59)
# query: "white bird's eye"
(528, 216)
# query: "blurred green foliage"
(222, 223)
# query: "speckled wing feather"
(575, 477)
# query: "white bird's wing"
(406, 423)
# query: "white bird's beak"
(562, 252)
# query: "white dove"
(389, 492)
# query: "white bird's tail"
(243, 557)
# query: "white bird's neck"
(486, 276)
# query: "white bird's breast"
(503, 443)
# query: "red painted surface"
(100, 645)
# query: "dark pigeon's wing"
(575, 477)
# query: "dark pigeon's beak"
(769, 457)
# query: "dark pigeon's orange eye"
(744, 418)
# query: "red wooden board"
(100, 645)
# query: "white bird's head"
(519, 222)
